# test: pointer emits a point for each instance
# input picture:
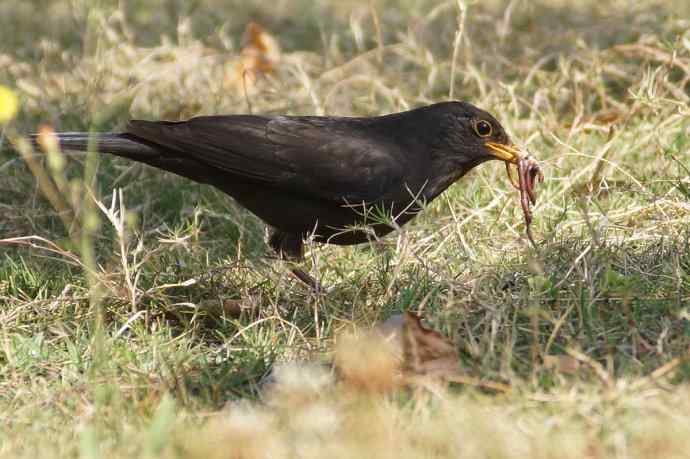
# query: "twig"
(377, 28)
(593, 364)
(659, 372)
(462, 12)
(476, 382)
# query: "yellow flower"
(9, 104)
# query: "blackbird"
(327, 177)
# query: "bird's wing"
(339, 159)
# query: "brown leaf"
(260, 53)
(425, 351)
(222, 307)
(561, 363)
(260, 47)
(402, 347)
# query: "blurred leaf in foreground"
(9, 104)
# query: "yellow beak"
(508, 153)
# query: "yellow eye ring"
(483, 128)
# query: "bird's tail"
(129, 146)
(120, 144)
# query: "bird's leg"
(290, 247)
(307, 280)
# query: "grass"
(158, 328)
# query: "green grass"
(187, 341)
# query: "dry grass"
(149, 325)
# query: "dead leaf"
(402, 351)
(425, 351)
(399, 350)
(599, 120)
(260, 48)
(222, 307)
(259, 55)
(561, 363)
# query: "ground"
(156, 325)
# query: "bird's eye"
(483, 128)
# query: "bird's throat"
(447, 173)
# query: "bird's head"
(473, 136)
(466, 136)
(469, 136)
